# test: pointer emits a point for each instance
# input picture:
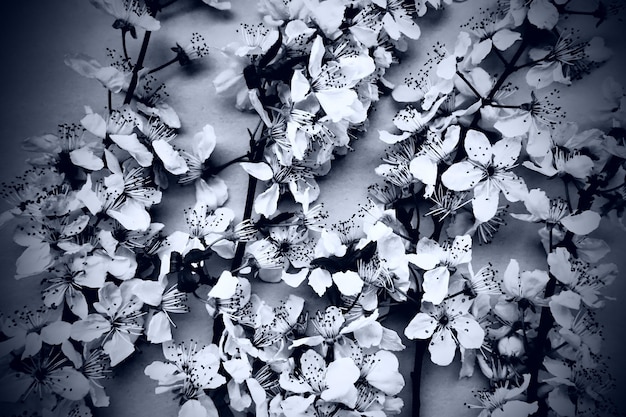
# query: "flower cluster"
(115, 277)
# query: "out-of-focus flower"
(46, 374)
(505, 401)
(564, 60)
(582, 281)
(129, 15)
(555, 212)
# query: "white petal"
(337, 104)
(348, 283)
(204, 142)
(485, 202)
(266, 203)
(384, 373)
(481, 50)
(95, 124)
(436, 284)
(583, 223)
(442, 347)
(462, 176)
(158, 328)
(259, 170)
(34, 260)
(511, 278)
(294, 280)
(543, 14)
(469, 333)
(172, 161)
(132, 215)
(516, 125)
(85, 158)
(513, 187)
(193, 408)
(390, 138)
(225, 286)
(341, 375)
(478, 147)
(505, 152)
(424, 169)
(56, 332)
(131, 144)
(213, 192)
(422, 326)
(505, 38)
(299, 86)
(320, 280)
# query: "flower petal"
(442, 347)
(462, 176)
(582, 223)
(422, 326)
(259, 170)
(266, 203)
(138, 150)
(485, 202)
(349, 282)
(172, 160)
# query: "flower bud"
(511, 346)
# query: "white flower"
(118, 321)
(332, 82)
(165, 302)
(582, 281)
(555, 212)
(188, 367)
(437, 261)
(212, 190)
(487, 171)
(129, 15)
(333, 382)
(69, 142)
(28, 330)
(431, 153)
(46, 375)
(447, 325)
(397, 19)
(504, 402)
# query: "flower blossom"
(447, 325)
(488, 171)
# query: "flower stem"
(165, 65)
(256, 151)
(466, 81)
(124, 45)
(138, 66)
(536, 356)
(416, 375)
(216, 170)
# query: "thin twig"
(138, 66)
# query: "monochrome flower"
(448, 325)
(488, 171)
(129, 15)
(437, 260)
(118, 322)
